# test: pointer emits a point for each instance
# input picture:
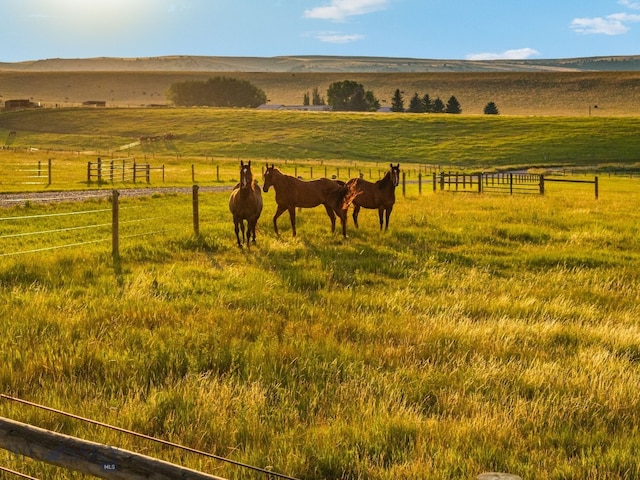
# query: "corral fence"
(509, 183)
(30, 172)
(120, 170)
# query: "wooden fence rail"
(497, 182)
(120, 170)
(87, 457)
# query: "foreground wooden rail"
(91, 458)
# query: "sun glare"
(92, 15)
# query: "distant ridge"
(320, 64)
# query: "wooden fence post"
(115, 234)
(420, 184)
(480, 182)
(433, 181)
(541, 184)
(87, 457)
(595, 183)
(404, 184)
(99, 170)
(196, 211)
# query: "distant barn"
(19, 103)
(306, 108)
(95, 103)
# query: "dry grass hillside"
(518, 88)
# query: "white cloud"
(516, 54)
(630, 4)
(615, 24)
(334, 37)
(339, 10)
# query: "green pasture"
(480, 333)
(215, 135)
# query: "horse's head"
(394, 174)
(267, 178)
(246, 176)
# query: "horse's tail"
(351, 192)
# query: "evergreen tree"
(397, 103)
(427, 104)
(453, 106)
(438, 106)
(491, 109)
(415, 104)
(305, 99)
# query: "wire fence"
(26, 234)
(35, 445)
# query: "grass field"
(212, 137)
(481, 333)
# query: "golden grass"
(480, 333)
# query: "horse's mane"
(384, 181)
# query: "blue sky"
(438, 29)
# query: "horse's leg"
(252, 230)
(332, 216)
(279, 212)
(389, 208)
(381, 216)
(343, 221)
(242, 230)
(356, 210)
(236, 227)
(292, 217)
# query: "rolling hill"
(518, 87)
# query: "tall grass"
(480, 333)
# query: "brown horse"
(292, 192)
(380, 195)
(245, 203)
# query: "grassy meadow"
(480, 333)
(212, 137)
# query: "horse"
(380, 195)
(292, 192)
(245, 203)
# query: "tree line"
(346, 95)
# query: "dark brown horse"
(245, 203)
(292, 192)
(380, 195)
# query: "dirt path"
(12, 199)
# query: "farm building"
(20, 103)
(309, 108)
(94, 103)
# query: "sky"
(426, 29)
